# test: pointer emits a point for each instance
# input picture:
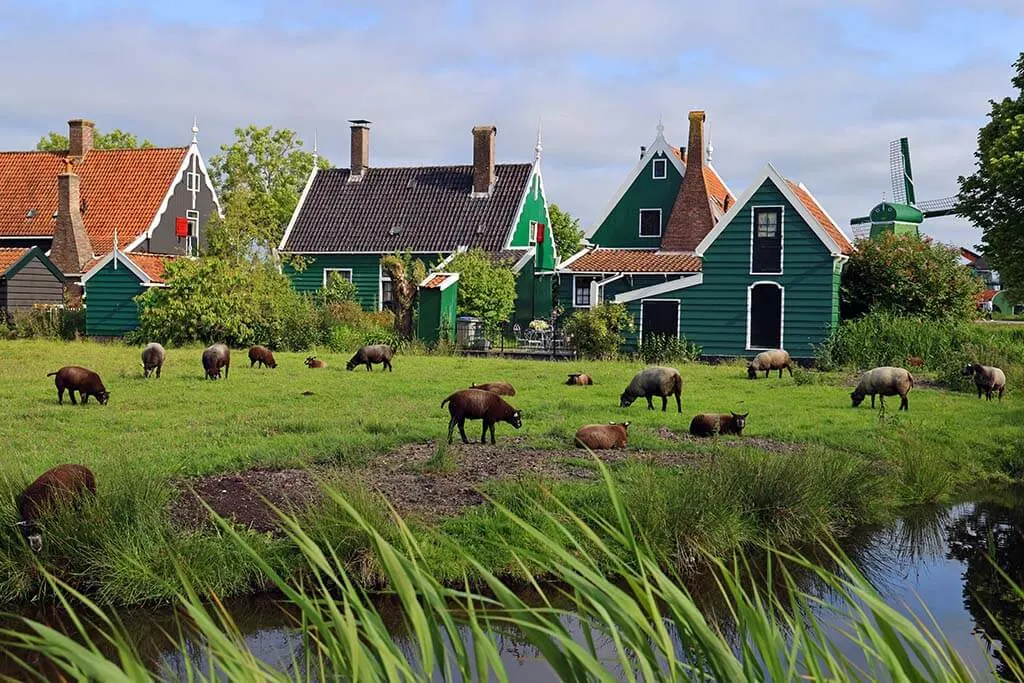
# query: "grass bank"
(808, 461)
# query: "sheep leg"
(904, 403)
(780, 373)
(71, 395)
(664, 403)
(788, 367)
(462, 430)
(158, 371)
(979, 391)
(85, 397)
(226, 368)
(60, 395)
(1000, 394)
(387, 364)
(650, 404)
(679, 402)
(451, 428)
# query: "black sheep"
(370, 355)
(214, 358)
(75, 378)
(477, 404)
(263, 356)
(62, 484)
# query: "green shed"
(438, 296)
(111, 287)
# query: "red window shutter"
(181, 226)
(540, 233)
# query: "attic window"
(192, 182)
(395, 230)
(31, 214)
(659, 169)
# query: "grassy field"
(808, 458)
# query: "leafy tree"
(566, 230)
(268, 168)
(487, 290)
(597, 332)
(115, 139)
(405, 273)
(993, 198)
(907, 275)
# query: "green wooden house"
(27, 279)
(688, 259)
(348, 218)
(111, 287)
(438, 297)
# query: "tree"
(993, 198)
(907, 275)
(487, 290)
(566, 230)
(405, 273)
(268, 168)
(115, 139)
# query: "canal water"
(943, 561)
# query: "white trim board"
(450, 279)
(782, 315)
(769, 173)
(524, 259)
(298, 208)
(663, 288)
(679, 316)
(511, 230)
(782, 237)
(122, 258)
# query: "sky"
(816, 87)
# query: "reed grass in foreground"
(651, 628)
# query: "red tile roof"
(717, 191)
(819, 214)
(122, 189)
(436, 281)
(987, 295)
(8, 257)
(152, 265)
(634, 261)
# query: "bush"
(487, 290)
(663, 349)
(47, 321)
(597, 332)
(337, 290)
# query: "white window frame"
(679, 317)
(782, 314)
(640, 224)
(662, 163)
(533, 232)
(328, 271)
(192, 181)
(590, 290)
(380, 292)
(782, 238)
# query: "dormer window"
(659, 169)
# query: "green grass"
(848, 466)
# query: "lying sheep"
(476, 404)
(601, 437)
(884, 381)
(579, 379)
(915, 361)
(369, 355)
(987, 378)
(313, 362)
(500, 388)
(62, 484)
(75, 378)
(709, 424)
(654, 381)
(152, 359)
(768, 361)
(263, 356)
(214, 358)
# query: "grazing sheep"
(214, 358)
(75, 378)
(709, 424)
(654, 381)
(153, 359)
(579, 379)
(768, 361)
(263, 356)
(884, 381)
(369, 355)
(915, 361)
(62, 484)
(987, 378)
(601, 437)
(313, 362)
(500, 388)
(476, 404)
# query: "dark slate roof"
(425, 208)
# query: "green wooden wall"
(535, 209)
(110, 309)
(622, 226)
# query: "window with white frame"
(659, 169)
(766, 241)
(650, 222)
(192, 181)
(192, 216)
(345, 273)
(581, 291)
(533, 232)
(387, 294)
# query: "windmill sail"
(932, 208)
(902, 175)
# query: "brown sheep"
(709, 424)
(263, 356)
(62, 484)
(153, 359)
(370, 355)
(884, 381)
(768, 361)
(214, 358)
(75, 378)
(987, 378)
(313, 362)
(654, 381)
(915, 361)
(500, 388)
(579, 379)
(601, 437)
(476, 404)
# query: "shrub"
(47, 321)
(337, 290)
(663, 348)
(487, 290)
(597, 332)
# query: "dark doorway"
(659, 318)
(766, 317)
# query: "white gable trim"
(524, 259)
(769, 173)
(663, 288)
(450, 279)
(522, 204)
(121, 258)
(582, 252)
(298, 208)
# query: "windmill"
(904, 214)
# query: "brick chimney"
(71, 248)
(691, 218)
(360, 148)
(80, 134)
(483, 160)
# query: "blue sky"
(816, 87)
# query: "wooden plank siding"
(34, 283)
(365, 274)
(110, 308)
(622, 226)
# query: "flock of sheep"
(479, 402)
